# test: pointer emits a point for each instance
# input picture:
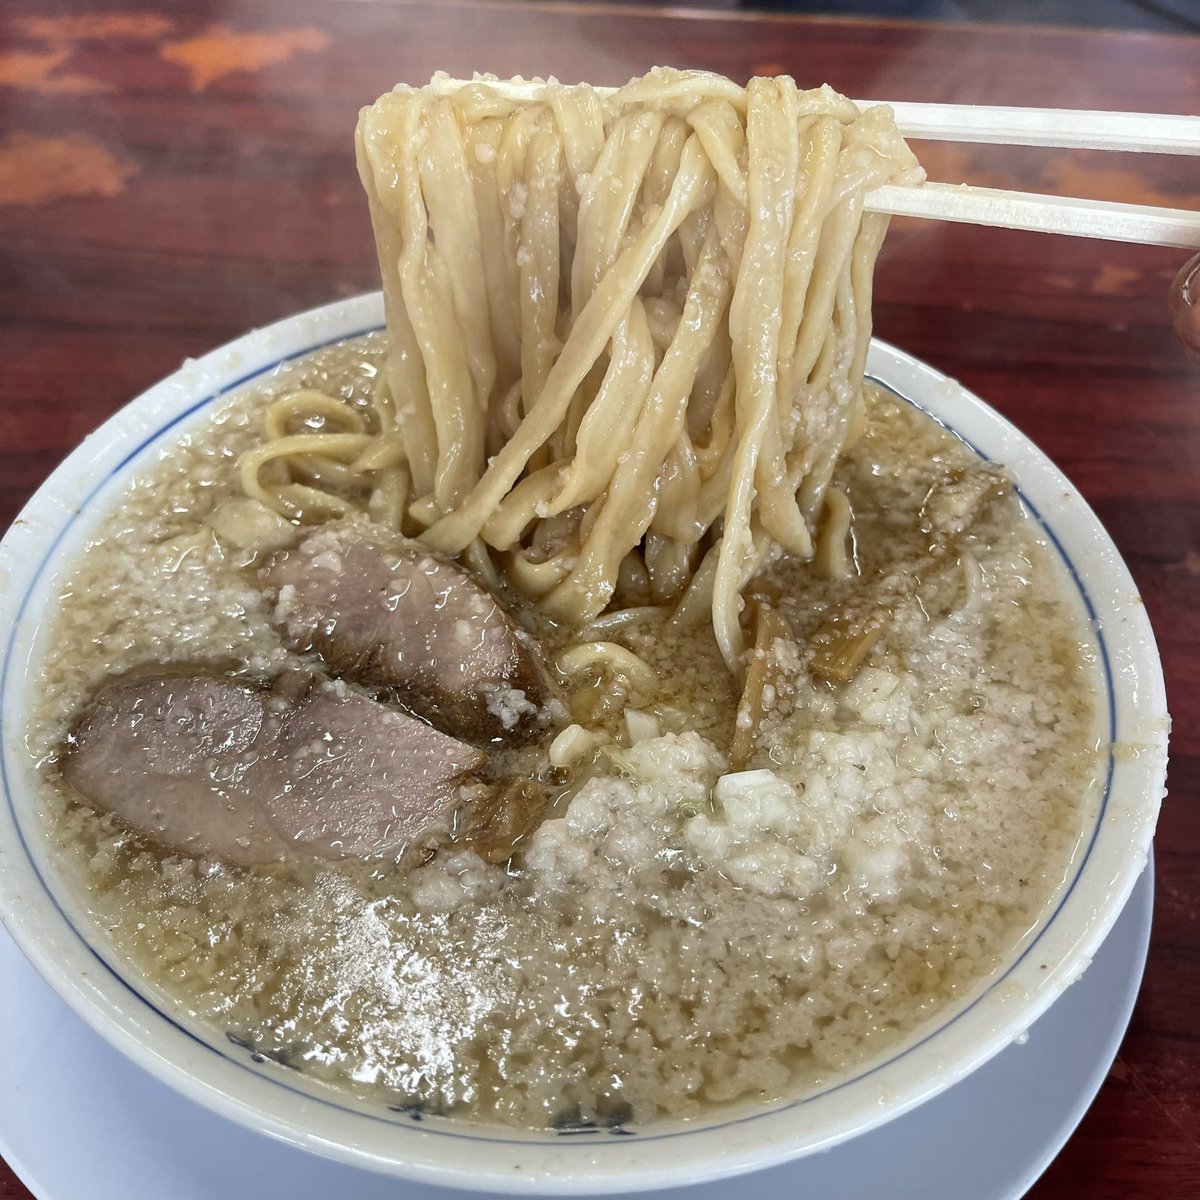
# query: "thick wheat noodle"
(832, 558)
(389, 497)
(625, 514)
(754, 322)
(535, 578)
(313, 408)
(580, 116)
(321, 472)
(294, 499)
(608, 424)
(591, 334)
(669, 563)
(521, 507)
(539, 263)
(622, 617)
(506, 416)
(499, 277)
(821, 141)
(627, 334)
(609, 657)
(385, 451)
(618, 173)
(423, 287)
(724, 141)
(454, 221)
(676, 513)
(478, 559)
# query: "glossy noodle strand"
(627, 334)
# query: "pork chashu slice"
(383, 610)
(212, 767)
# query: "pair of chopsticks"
(1060, 128)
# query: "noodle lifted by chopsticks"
(627, 333)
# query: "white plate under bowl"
(50, 924)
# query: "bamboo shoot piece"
(762, 671)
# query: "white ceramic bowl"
(52, 927)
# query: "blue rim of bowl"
(393, 1119)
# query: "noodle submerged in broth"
(759, 729)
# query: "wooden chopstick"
(1065, 128)
(1103, 219)
(1062, 128)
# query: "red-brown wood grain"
(169, 181)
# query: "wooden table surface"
(169, 181)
